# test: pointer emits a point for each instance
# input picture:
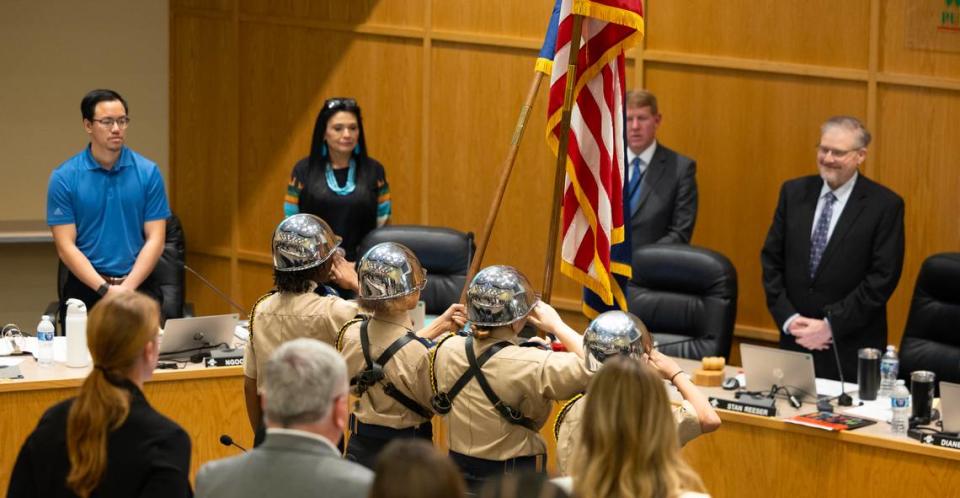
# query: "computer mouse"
(731, 383)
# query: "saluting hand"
(545, 318)
(451, 319)
(343, 273)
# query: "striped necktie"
(818, 242)
(633, 188)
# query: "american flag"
(593, 251)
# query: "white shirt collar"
(842, 193)
(303, 434)
(645, 157)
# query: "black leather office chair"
(168, 273)
(931, 340)
(685, 293)
(444, 252)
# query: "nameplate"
(761, 408)
(225, 358)
(941, 441)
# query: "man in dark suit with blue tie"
(833, 254)
(661, 184)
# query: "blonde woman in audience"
(629, 445)
(109, 441)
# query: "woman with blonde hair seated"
(108, 441)
(628, 445)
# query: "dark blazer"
(288, 466)
(147, 456)
(668, 200)
(858, 271)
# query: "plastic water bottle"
(76, 331)
(45, 341)
(889, 367)
(900, 406)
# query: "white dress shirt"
(645, 157)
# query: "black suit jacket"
(147, 456)
(668, 200)
(858, 271)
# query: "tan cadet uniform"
(567, 428)
(282, 316)
(375, 406)
(526, 378)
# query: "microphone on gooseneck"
(215, 289)
(226, 440)
(844, 399)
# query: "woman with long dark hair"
(108, 441)
(338, 181)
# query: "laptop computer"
(766, 367)
(950, 406)
(191, 335)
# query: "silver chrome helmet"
(390, 270)
(499, 295)
(301, 242)
(614, 333)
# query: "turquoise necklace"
(351, 176)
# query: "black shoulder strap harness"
(374, 371)
(443, 401)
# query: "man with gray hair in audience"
(304, 398)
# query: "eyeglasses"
(837, 153)
(340, 102)
(109, 122)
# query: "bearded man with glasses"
(107, 209)
(834, 254)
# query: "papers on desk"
(10, 361)
(827, 387)
(878, 410)
(829, 421)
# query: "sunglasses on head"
(340, 102)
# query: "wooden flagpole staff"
(562, 150)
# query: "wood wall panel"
(344, 13)
(256, 280)
(522, 19)
(216, 269)
(462, 186)
(278, 113)
(221, 5)
(896, 57)
(915, 159)
(822, 32)
(748, 133)
(203, 130)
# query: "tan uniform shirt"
(285, 316)
(527, 379)
(403, 370)
(568, 430)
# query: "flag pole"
(508, 164)
(562, 149)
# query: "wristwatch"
(102, 290)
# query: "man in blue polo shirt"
(107, 208)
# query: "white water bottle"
(76, 331)
(45, 341)
(900, 406)
(889, 368)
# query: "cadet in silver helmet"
(305, 256)
(495, 394)
(385, 355)
(617, 333)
